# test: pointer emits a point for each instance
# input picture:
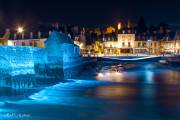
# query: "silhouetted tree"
(153, 28)
(141, 26)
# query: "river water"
(107, 91)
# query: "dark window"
(23, 44)
(123, 44)
(35, 44)
(31, 44)
(139, 44)
(129, 44)
(154, 44)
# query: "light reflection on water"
(112, 92)
(147, 73)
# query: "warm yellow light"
(10, 43)
(119, 25)
(110, 30)
(81, 45)
(20, 30)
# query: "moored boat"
(163, 62)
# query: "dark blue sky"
(88, 11)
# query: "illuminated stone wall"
(22, 59)
(59, 56)
(61, 50)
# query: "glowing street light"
(20, 30)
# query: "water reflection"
(148, 73)
(116, 91)
(149, 77)
(169, 77)
(145, 91)
(115, 73)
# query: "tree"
(141, 26)
(152, 28)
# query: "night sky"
(88, 11)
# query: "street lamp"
(20, 30)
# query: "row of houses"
(130, 43)
(115, 43)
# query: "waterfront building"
(154, 47)
(99, 48)
(123, 44)
(80, 40)
(126, 42)
(28, 42)
(168, 46)
(177, 43)
(110, 44)
(90, 51)
(140, 46)
(168, 43)
(177, 47)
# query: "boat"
(163, 62)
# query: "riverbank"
(135, 58)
